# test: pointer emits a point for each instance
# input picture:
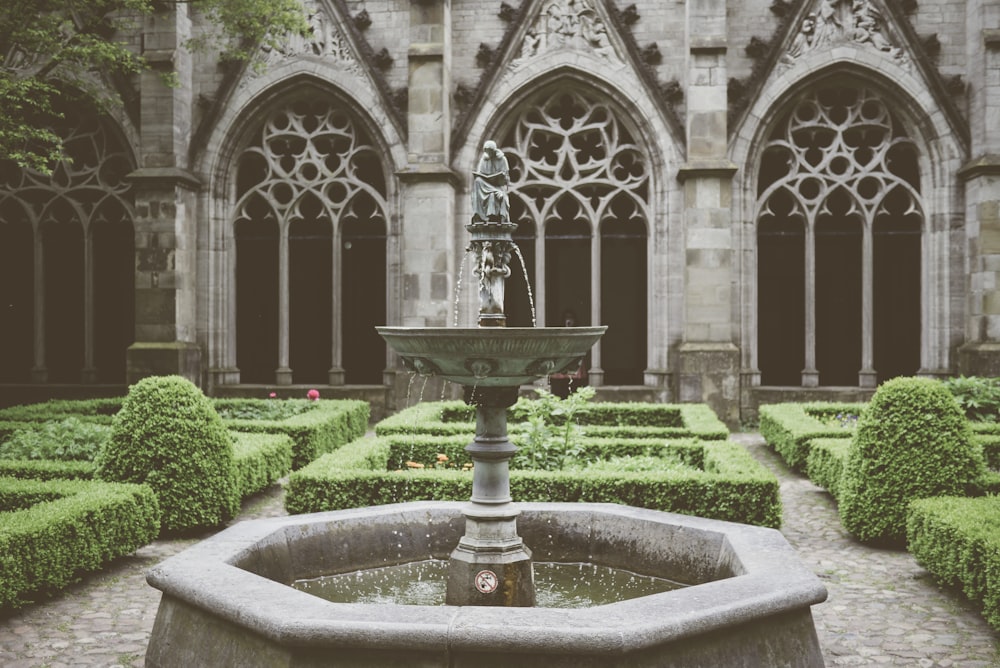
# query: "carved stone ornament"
(840, 22)
(324, 41)
(566, 24)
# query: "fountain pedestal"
(491, 565)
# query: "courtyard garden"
(85, 482)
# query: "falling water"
(524, 270)
(458, 282)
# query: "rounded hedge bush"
(912, 442)
(169, 436)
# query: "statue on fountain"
(490, 202)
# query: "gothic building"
(762, 199)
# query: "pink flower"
(313, 394)
(273, 395)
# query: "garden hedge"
(957, 539)
(913, 441)
(259, 460)
(169, 436)
(790, 427)
(825, 464)
(53, 531)
(326, 426)
(598, 419)
(730, 485)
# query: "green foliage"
(978, 397)
(93, 410)
(825, 464)
(549, 439)
(730, 484)
(958, 541)
(260, 460)
(324, 427)
(70, 439)
(168, 436)
(46, 469)
(913, 442)
(54, 46)
(789, 428)
(54, 531)
(261, 409)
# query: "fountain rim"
(206, 576)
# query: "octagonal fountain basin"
(491, 356)
(227, 601)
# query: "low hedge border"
(325, 427)
(53, 531)
(789, 428)
(602, 419)
(825, 463)
(425, 450)
(260, 460)
(958, 540)
(732, 485)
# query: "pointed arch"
(886, 125)
(67, 248)
(307, 185)
(584, 179)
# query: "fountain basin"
(491, 356)
(226, 601)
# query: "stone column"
(708, 359)
(165, 206)
(980, 355)
(427, 184)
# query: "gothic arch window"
(580, 194)
(67, 260)
(310, 229)
(839, 221)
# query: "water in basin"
(557, 585)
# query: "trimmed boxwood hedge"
(913, 441)
(259, 460)
(324, 428)
(730, 486)
(957, 539)
(327, 425)
(53, 531)
(789, 428)
(168, 436)
(599, 419)
(825, 464)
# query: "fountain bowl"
(226, 601)
(491, 356)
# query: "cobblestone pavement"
(883, 609)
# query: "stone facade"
(756, 197)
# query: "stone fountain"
(228, 601)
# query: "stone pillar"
(165, 209)
(980, 355)
(428, 185)
(708, 359)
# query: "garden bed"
(714, 479)
(55, 530)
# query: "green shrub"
(825, 465)
(958, 541)
(260, 460)
(550, 436)
(70, 439)
(323, 426)
(913, 442)
(168, 436)
(978, 397)
(46, 469)
(53, 531)
(790, 428)
(728, 485)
